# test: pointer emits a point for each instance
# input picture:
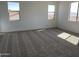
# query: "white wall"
(0, 16)
(64, 10)
(34, 15)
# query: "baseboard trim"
(29, 30)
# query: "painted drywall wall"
(0, 16)
(33, 15)
(63, 16)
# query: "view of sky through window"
(13, 10)
(13, 6)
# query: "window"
(13, 10)
(74, 16)
(51, 12)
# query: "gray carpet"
(36, 43)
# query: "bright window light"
(51, 12)
(13, 10)
(73, 11)
(74, 7)
(51, 8)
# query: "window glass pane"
(13, 10)
(51, 12)
(73, 11)
(51, 8)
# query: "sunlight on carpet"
(70, 38)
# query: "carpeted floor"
(36, 43)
